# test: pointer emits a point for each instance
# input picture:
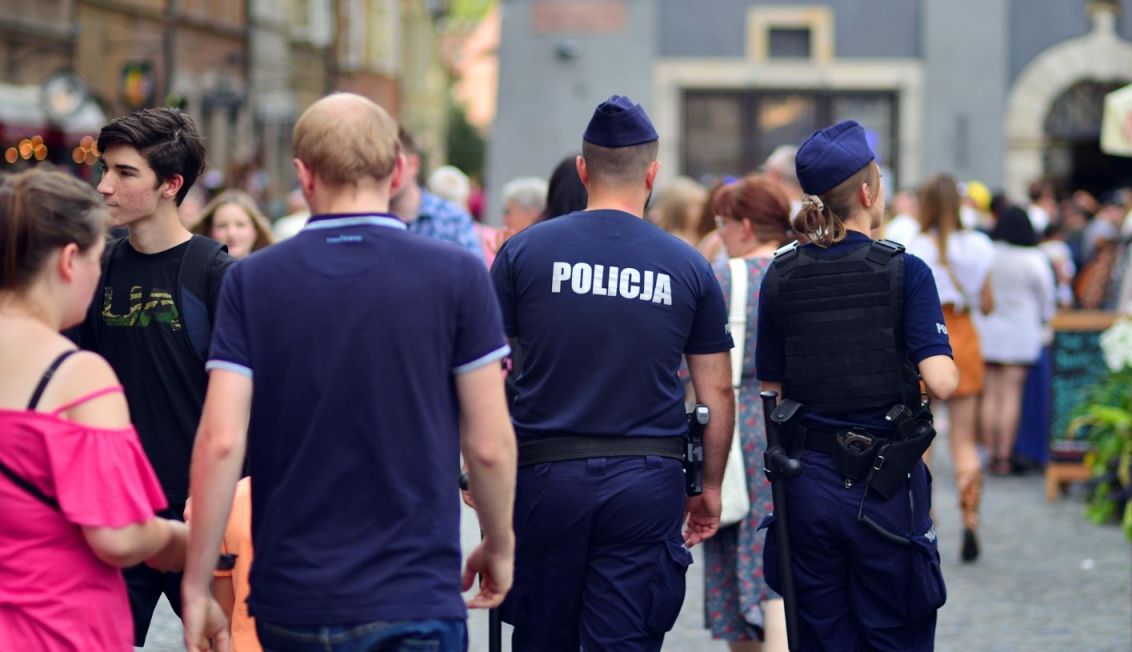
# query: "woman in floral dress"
(753, 216)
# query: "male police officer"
(605, 304)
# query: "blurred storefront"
(244, 69)
(48, 124)
(1003, 91)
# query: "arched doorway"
(1100, 57)
(1073, 159)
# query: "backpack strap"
(94, 313)
(193, 292)
(30, 488)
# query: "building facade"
(1002, 91)
(244, 69)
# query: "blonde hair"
(672, 207)
(345, 138)
(822, 218)
(940, 204)
(203, 225)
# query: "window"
(790, 32)
(791, 43)
(729, 133)
(355, 54)
(384, 48)
(312, 21)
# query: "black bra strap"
(47, 378)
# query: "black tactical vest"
(842, 320)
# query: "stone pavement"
(1047, 579)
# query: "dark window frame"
(752, 153)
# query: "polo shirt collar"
(337, 220)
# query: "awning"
(20, 107)
(1116, 126)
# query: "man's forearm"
(215, 471)
(491, 481)
(717, 434)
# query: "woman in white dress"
(1025, 300)
(960, 260)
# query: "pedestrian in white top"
(1025, 300)
(960, 260)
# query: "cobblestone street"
(1047, 579)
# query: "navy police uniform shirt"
(604, 304)
(353, 332)
(925, 332)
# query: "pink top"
(55, 594)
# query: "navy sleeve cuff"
(932, 351)
(768, 376)
(714, 347)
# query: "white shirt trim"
(228, 366)
(479, 362)
(374, 220)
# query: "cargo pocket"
(666, 588)
(926, 589)
(770, 555)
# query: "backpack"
(192, 291)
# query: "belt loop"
(595, 466)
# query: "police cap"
(832, 155)
(617, 122)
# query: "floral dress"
(733, 558)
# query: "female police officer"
(844, 325)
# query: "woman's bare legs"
(968, 476)
(1009, 409)
(990, 407)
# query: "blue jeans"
(396, 636)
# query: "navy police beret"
(617, 122)
(832, 155)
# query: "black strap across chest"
(30, 488)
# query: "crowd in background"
(1001, 270)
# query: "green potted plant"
(1107, 414)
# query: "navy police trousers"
(857, 590)
(600, 559)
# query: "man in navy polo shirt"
(605, 304)
(364, 356)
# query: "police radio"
(694, 450)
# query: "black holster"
(852, 461)
(694, 450)
(896, 459)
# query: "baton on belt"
(778, 466)
(494, 622)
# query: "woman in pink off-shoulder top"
(77, 494)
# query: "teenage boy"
(152, 314)
(357, 535)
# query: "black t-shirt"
(139, 330)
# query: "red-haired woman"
(753, 220)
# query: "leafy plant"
(1107, 416)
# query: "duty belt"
(822, 441)
(559, 449)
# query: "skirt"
(966, 351)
